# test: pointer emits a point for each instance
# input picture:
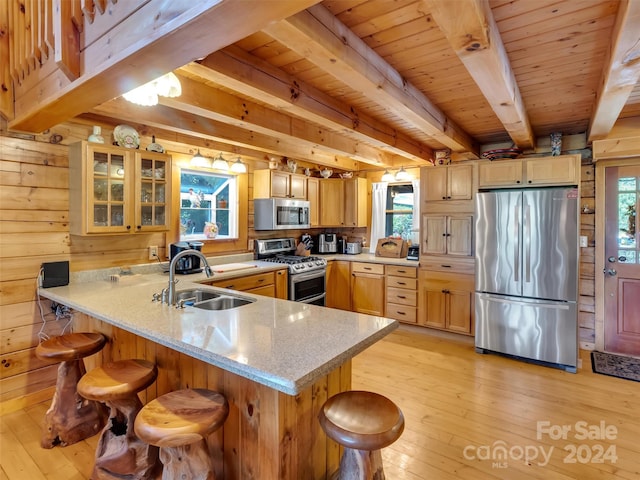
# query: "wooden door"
(459, 310)
(500, 174)
(622, 260)
(560, 170)
(313, 195)
(459, 235)
(460, 182)
(434, 183)
(280, 184)
(434, 234)
(367, 291)
(339, 284)
(331, 203)
(298, 186)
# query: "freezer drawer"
(532, 329)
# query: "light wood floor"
(459, 406)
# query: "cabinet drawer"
(376, 268)
(401, 282)
(448, 264)
(402, 313)
(246, 283)
(397, 271)
(402, 297)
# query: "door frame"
(603, 157)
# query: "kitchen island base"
(268, 434)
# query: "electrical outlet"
(153, 252)
(584, 241)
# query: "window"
(399, 211)
(208, 205)
(628, 197)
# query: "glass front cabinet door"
(115, 190)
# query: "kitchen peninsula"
(276, 362)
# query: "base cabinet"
(339, 285)
(269, 284)
(446, 301)
(367, 288)
(402, 293)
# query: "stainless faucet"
(172, 293)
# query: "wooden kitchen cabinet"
(269, 284)
(313, 195)
(530, 172)
(446, 301)
(343, 202)
(445, 183)
(280, 184)
(339, 284)
(114, 190)
(367, 288)
(447, 235)
(402, 293)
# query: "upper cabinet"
(454, 182)
(530, 172)
(276, 183)
(118, 190)
(343, 203)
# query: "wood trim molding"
(617, 148)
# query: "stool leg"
(361, 465)
(70, 417)
(189, 461)
(120, 453)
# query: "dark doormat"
(616, 365)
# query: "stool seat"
(363, 423)
(70, 417)
(117, 380)
(181, 417)
(71, 346)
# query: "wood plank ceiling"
(386, 82)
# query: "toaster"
(353, 248)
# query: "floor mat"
(616, 365)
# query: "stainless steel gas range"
(307, 274)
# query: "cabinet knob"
(530, 181)
(448, 198)
(444, 198)
(445, 291)
(139, 227)
(517, 181)
(128, 227)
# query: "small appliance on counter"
(413, 252)
(327, 243)
(189, 263)
(354, 248)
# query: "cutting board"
(231, 267)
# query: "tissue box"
(391, 247)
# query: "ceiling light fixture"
(402, 175)
(238, 166)
(199, 160)
(387, 177)
(146, 95)
(220, 163)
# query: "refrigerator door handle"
(527, 240)
(516, 249)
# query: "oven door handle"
(301, 277)
(312, 299)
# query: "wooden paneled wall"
(586, 288)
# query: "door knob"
(610, 271)
(611, 259)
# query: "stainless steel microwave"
(280, 214)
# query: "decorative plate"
(155, 147)
(126, 136)
(502, 153)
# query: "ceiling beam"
(187, 123)
(323, 40)
(209, 102)
(473, 34)
(255, 78)
(157, 38)
(621, 72)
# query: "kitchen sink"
(208, 300)
(223, 302)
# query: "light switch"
(583, 241)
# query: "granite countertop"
(371, 258)
(284, 345)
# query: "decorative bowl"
(346, 175)
(502, 153)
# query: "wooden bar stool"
(120, 454)
(70, 417)
(363, 423)
(179, 423)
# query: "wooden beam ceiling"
(322, 39)
(187, 123)
(621, 73)
(150, 38)
(473, 34)
(254, 78)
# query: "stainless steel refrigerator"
(527, 274)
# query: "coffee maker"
(327, 243)
(188, 263)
